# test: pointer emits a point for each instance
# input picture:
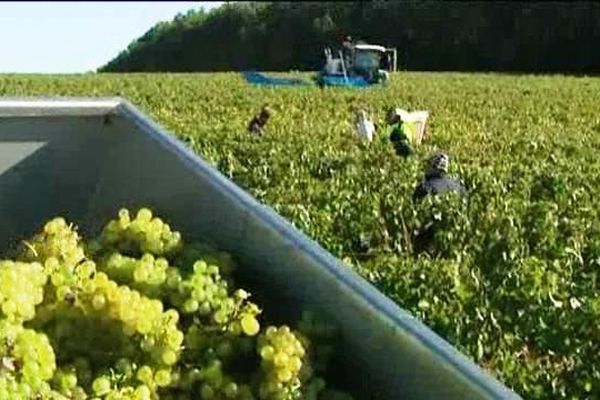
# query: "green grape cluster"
(202, 251)
(146, 274)
(283, 363)
(67, 380)
(58, 240)
(120, 322)
(137, 314)
(144, 234)
(216, 384)
(21, 289)
(27, 360)
(134, 315)
(205, 293)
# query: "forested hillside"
(429, 35)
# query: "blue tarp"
(260, 79)
(337, 80)
(257, 78)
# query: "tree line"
(429, 35)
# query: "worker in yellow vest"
(403, 134)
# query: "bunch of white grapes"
(135, 314)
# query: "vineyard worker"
(347, 46)
(386, 62)
(437, 180)
(403, 133)
(364, 126)
(259, 121)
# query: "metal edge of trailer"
(57, 106)
(437, 347)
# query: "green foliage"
(510, 277)
(429, 35)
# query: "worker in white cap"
(437, 180)
(364, 126)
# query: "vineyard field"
(510, 277)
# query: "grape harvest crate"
(85, 158)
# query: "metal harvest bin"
(85, 158)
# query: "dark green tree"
(429, 35)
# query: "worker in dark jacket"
(437, 180)
(259, 121)
(402, 134)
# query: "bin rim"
(362, 289)
(23, 106)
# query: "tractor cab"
(360, 62)
(367, 58)
(370, 60)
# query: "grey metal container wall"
(86, 158)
